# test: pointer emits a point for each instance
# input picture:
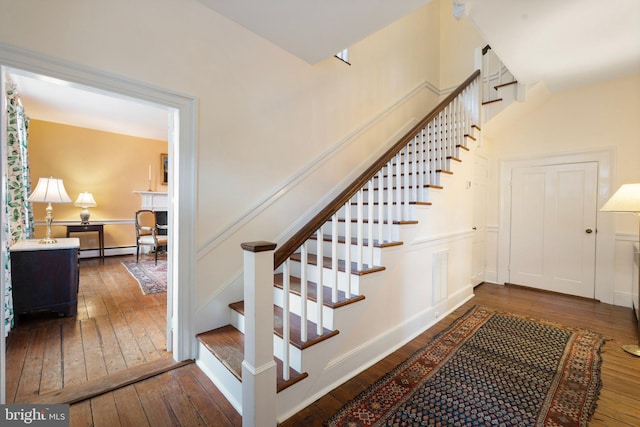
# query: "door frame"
(605, 236)
(182, 189)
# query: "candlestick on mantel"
(149, 177)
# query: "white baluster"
(285, 318)
(440, 141)
(450, 140)
(405, 182)
(334, 258)
(422, 165)
(347, 243)
(304, 292)
(381, 205)
(370, 204)
(319, 286)
(457, 132)
(415, 166)
(390, 206)
(432, 150)
(398, 176)
(359, 231)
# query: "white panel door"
(553, 226)
(479, 251)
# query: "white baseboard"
(95, 253)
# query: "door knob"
(588, 231)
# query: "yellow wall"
(108, 165)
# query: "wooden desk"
(90, 228)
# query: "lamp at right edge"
(627, 199)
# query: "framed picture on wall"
(164, 168)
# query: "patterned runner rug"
(488, 368)
(150, 277)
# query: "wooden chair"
(147, 232)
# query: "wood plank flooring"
(619, 402)
(117, 328)
(117, 334)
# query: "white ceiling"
(565, 43)
(58, 101)
(314, 30)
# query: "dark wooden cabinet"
(45, 276)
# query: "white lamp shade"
(49, 190)
(626, 199)
(85, 200)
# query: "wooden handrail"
(291, 245)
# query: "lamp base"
(84, 216)
(47, 241)
(632, 349)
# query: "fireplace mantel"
(154, 200)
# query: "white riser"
(395, 231)
(295, 302)
(421, 194)
(341, 250)
(376, 211)
(226, 382)
(295, 354)
(312, 275)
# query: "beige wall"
(108, 165)
(264, 115)
(459, 39)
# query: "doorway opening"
(181, 143)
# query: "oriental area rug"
(151, 278)
(488, 368)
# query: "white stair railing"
(397, 179)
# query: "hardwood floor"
(117, 328)
(117, 333)
(619, 402)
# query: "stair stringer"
(399, 301)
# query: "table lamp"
(627, 199)
(85, 200)
(49, 190)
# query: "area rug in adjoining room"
(488, 368)
(151, 278)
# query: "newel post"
(258, 367)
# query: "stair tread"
(227, 345)
(375, 221)
(403, 187)
(295, 285)
(354, 241)
(492, 101)
(295, 322)
(312, 259)
(496, 87)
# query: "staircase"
(499, 86)
(346, 290)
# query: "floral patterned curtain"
(18, 217)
